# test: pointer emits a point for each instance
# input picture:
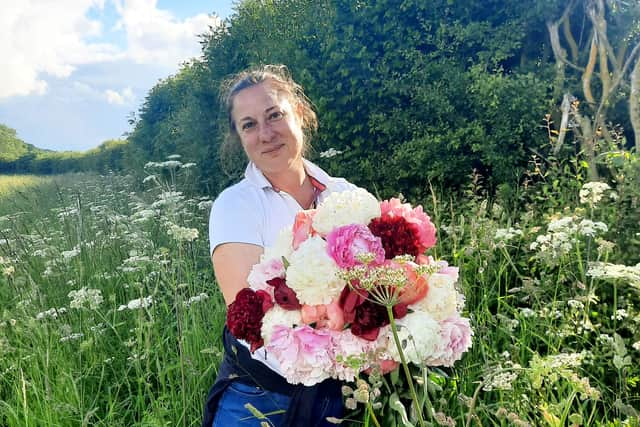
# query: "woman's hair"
(280, 79)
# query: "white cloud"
(156, 36)
(41, 39)
(119, 98)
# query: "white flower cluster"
(182, 234)
(348, 207)
(331, 152)
(168, 198)
(72, 337)
(506, 234)
(85, 296)
(562, 234)
(605, 270)
(313, 274)
(196, 298)
(137, 303)
(52, 313)
(502, 380)
(67, 255)
(591, 192)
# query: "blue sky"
(76, 69)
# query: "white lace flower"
(348, 207)
(312, 274)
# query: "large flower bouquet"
(323, 299)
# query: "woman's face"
(269, 128)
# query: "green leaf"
(396, 405)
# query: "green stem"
(372, 415)
(405, 366)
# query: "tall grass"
(109, 314)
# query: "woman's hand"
(232, 263)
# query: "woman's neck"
(295, 182)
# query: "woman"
(271, 118)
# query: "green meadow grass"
(110, 316)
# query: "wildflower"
(500, 381)
(605, 270)
(636, 345)
(591, 192)
(506, 234)
(197, 298)
(135, 304)
(182, 234)
(205, 205)
(527, 312)
(331, 152)
(72, 337)
(67, 255)
(576, 305)
(51, 313)
(620, 314)
(91, 297)
(174, 157)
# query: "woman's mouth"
(273, 149)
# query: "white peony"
(312, 274)
(442, 298)
(419, 333)
(281, 248)
(278, 316)
(348, 207)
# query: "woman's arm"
(232, 264)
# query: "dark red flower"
(400, 310)
(350, 298)
(244, 316)
(276, 281)
(369, 318)
(399, 237)
(286, 297)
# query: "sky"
(72, 72)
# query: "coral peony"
(303, 227)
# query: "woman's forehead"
(259, 98)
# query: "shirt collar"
(257, 178)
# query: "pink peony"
(426, 230)
(455, 335)
(304, 353)
(346, 344)
(345, 243)
(263, 272)
(303, 227)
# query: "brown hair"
(281, 80)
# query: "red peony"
(284, 295)
(399, 237)
(244, 316)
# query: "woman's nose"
(265, 132)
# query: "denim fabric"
(231, 411)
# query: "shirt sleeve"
(235, 218)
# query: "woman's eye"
(247, 125)
(276, 115)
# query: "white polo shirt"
(253, 212)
